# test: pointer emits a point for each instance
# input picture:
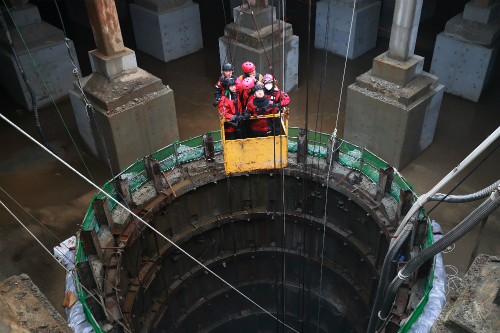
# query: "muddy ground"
(58, 198)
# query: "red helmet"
(268, 78)
(248, 83)
(248, 67)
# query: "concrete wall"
(463, 67)
(167, 35)
(54, 65)
(396, 133)
(364, 28)
(131, 134)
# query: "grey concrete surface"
(404, 29)
(134, 126)
(472, 307)
(387, 14)
(464, 68)
(400, 73)
(47, 49)
(481, 14)
(167, 34)
(479, 33)
(249, 47)
(396, 132)
(113, 66)
(364, 27)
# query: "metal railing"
(349, 155)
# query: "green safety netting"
(192, 149)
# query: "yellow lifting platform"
(262, 153)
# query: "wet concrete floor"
(58, 198)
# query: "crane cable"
(141, 220)
(329, 169)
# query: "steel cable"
(140, 219)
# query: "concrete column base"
(387, 15)
(249, 47)
(396, 123)
(244, 53)
(463, 67)
(47, 47)
(135, 113)
(167, 34)
(364, 28)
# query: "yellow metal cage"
(262, 153)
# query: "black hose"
(384, 274)
(32, 94)
(486, 208)
(466, 197)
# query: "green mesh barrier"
(163, 153)
(374, 160)
(192, 149)
(293, 132)
(168, 164)
(316, 150)
(371, 172)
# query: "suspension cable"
(25, 79)
(328, 174)
(140, 219)
(345, 66)
(51, 97)
(67, 270)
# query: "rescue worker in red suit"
(261, 106)
(273, 93)
(249, 71)
(230, 108)
(246, 91)
(227, 72)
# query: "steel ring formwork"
(234, 226)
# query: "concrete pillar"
(49, 52)
(392, 109)
(248, 47)
(167, 29)
(387, 14)
(364, 27)
(465, 52)
(134, 111)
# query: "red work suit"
(228, 109)
(261, 107)
(245, 98)
(277, 96)
(219, 89)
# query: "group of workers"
(242, 99)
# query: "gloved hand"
(215, 103)
(237, 118)
(246, 115)
(277, 104)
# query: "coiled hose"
(466, 197)
(384, 274)
(21, 70)
(486, 208)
